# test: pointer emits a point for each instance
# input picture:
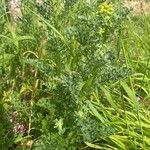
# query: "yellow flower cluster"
(106, 8)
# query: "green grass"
(136, 43)
(128, 108)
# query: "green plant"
(56, 62)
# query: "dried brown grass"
(15, 9)
(138, 6)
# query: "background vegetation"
(74, 75)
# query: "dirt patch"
(138, 6)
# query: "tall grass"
(128, 108)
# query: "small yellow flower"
(106, 8)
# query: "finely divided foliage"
(65, 78)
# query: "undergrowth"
(74, 76)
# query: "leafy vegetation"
(74, 75)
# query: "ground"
(138, 6)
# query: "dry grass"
(138, 6)
(15, 9)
